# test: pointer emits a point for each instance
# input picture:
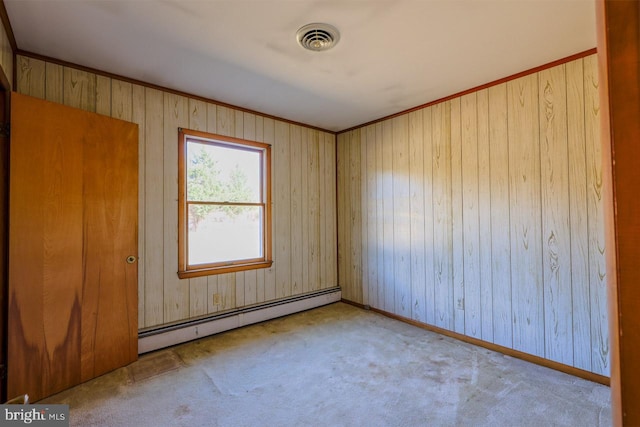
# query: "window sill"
(209, 271)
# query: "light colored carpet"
(334, 366)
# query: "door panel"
(110, 177)
(4, 225)
(72, 223)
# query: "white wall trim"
(177, 334)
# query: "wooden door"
(73, 203)
(618, 24)
(4, 222)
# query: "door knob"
(131, 259)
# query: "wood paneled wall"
(304, 192)
(483, 215)
(6, 55)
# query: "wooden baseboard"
(601, 379)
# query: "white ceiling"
(392, 55)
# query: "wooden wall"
(304, 192)
(6, 54)
(483, 215)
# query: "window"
(224, 199)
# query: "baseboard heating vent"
(176, 334)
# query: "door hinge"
(5, 130)
(3, 372)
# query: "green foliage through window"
(206, 183)
(224, 198)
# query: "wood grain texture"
(103, 95)
(214, 301)
(212, 118)
(429, 243)
(5, 92)
(442, 216)
(295, 217)
(556, 238)
(483, 86)
(31, 77)
(345, 212)
(618, 26)
(595, 208)
(251, 276)
(342, 211)
(305, 258)
(7, 55)
(240, 283)
(457, 231)
(45, 263)
(500, 216)
(122, 99)
(225, 121)
(75, 316)
(417, 218)
(79, 89)
(388, 219)
(364, 219)
(495, 195)
(346, 269)
(332, 226)
(238, 132)
(355, 217)
(379, 215)
(402, 220)
(484, 212)
(322, 220)
(344, 153)
(198, 286)
(502, 203)
(212, 289)
(576, 150)
(110, 216)
(154, 202)
(282, 215)
(372, 218)
(471, 216)
(138, 117)
(239, 122)
(270, 273)
(227, 291)
(54, 81)
(176, 291)
(526, 238)
(239, 291)
(198, 296)
(251, 286)
(163, 297)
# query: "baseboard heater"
(167, 336)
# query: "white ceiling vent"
(318, 37)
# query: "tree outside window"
(224, 204)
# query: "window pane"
(218, 173)
(224, 233)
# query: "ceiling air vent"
(318, 37)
